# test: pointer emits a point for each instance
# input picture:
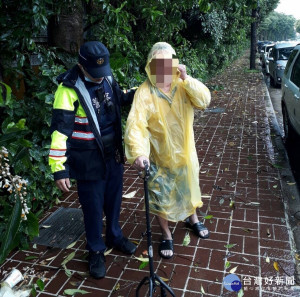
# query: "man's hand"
(182, 70)
(63, 184)
(138, 164)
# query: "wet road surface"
(292, 148)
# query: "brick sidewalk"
(237, 165)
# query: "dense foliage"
(206, 34)
(297, 26)
(277, 27)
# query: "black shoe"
(97, 264)
(125, 246)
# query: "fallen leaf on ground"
(229, 246)
(67, 271)
(205, 196)
(275, 165)
(276, 266)
(75, 284)
(74, 291)
(232, 204)
(268, 232)
(117, 287)
(253, 203)
(233, 270)
(142, 259)
(70, 257)
(241, 293)
(107, 252)
(268, 260)
(50, 259)
(208, 217)
(202, 290)
(143, 265)
(291, 184)
(84, 274)
(227, 264)
(217, 187)
(129, 195)
(186, 240)
(71, 245)
(31, 257)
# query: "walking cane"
(153, 279)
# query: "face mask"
(89, 80)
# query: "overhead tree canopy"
(277, 27)
(297, 25)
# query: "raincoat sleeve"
(136, 132)
(197, 92)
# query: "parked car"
(264, 54)
(278, 58)
(291, 95)
(261, 43)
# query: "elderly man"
(160, 131)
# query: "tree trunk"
(66, 30)
(253, 40)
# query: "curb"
(291, 197)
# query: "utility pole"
(253, 36)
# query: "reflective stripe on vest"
(57, 153)
(83, 135)
(81, 120)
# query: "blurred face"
(163, 67)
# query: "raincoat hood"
(160, 51)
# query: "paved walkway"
(242, 195)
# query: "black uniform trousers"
(98, 196)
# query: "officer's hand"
(138, 164)
(63, 184)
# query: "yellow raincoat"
(160, 127)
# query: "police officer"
(87, 146)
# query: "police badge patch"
(100, 61)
